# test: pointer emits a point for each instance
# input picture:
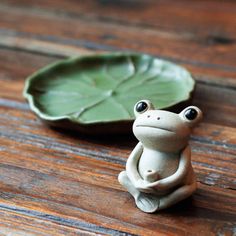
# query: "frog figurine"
(158, 171)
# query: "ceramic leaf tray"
(98, 92)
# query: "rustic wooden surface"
(63, 183)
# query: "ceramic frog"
(159, 171)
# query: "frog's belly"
(164, 164)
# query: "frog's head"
(163, 130)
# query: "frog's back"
(163, 163)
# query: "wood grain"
(57, 182)
(92, 33)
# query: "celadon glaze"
(95, 93)
(158, 171)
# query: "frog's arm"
(177, 177)
(132, 163)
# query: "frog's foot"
(147, 202)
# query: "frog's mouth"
(154, 127)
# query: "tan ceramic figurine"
(159, 171)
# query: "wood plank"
(41, 47)
(60, 47)
(91, 34)
(61, 50)
(48, 172)
(13, 223)
(189, 17)
(213, 143)
(217, 102)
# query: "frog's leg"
(145, 201)
(177, 196)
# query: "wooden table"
(63, 183)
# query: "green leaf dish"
(96, 93)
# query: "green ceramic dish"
(97, 93)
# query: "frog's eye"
(191, 114)
(142, 106)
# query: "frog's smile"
(149, 126)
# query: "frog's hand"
(132, 164)
(178, 176)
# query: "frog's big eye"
(191, 114)
(141, 107)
